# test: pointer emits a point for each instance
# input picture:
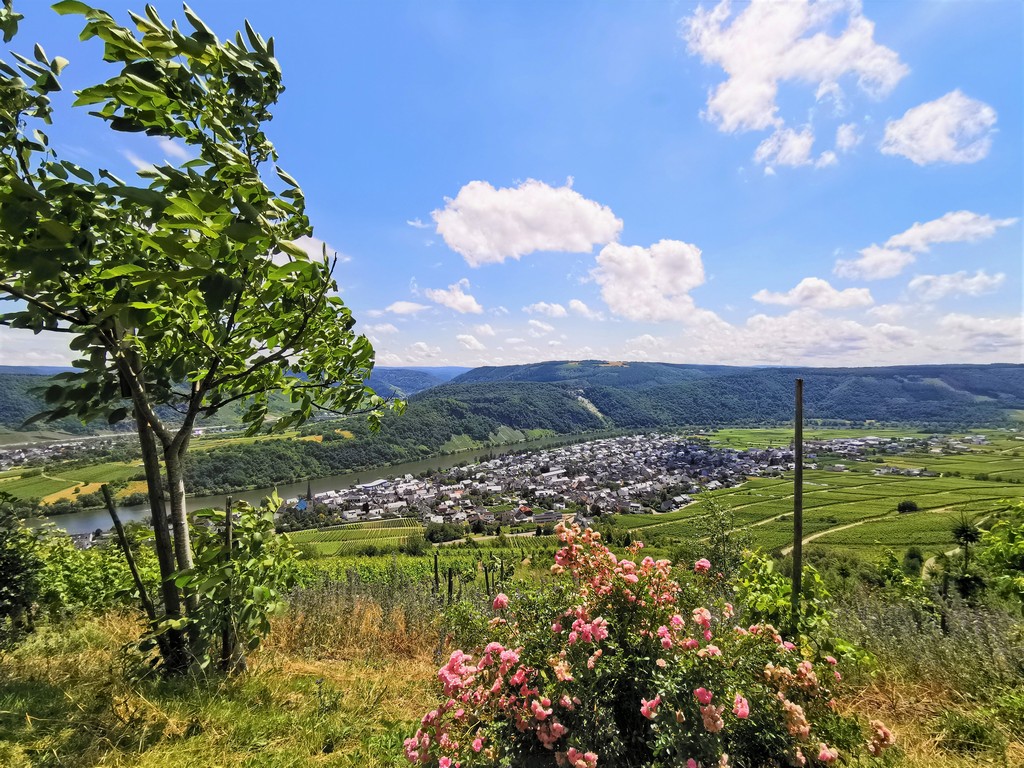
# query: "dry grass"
(73, 697)
(70, 493)
(911, 710)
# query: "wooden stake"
(798, 506)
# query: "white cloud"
(454, 297)
(382, 328)
(771, 42)
(646, 341)
(19, 346)
(417, 223)
(543, 308)
(470, 342)
(515, 340)
(580, 308)
(173, 150)
(847, 137)
(651, 284)
(998, 334)
(818, 294)
(786, 147)
(487, 225)
(878, 262)
(935, 287)
(952, 129)
(874, 263)
(953, 227)
(483, 330)
(539, 328)
(889, 313)
(827, 158)
(420, 350)
(406, 307)
(138, 162)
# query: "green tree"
(188, 293)
(906, 506)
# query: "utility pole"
(798, 505)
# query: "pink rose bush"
(615, 665)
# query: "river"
(91, 519)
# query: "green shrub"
(969, 733)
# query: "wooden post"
(437, 576)
(798, 506)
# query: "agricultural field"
(854, 512)
(55, 482)
(346, 539)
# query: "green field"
(855, 512)
(345, 539)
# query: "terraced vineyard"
(855, 512)
(350, 538)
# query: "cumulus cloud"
(421, 350)
(818, 294)
(543, 308)
(651, 284)
(455, 297)
(406, 307)
(771, 42)
(417, 223)
(952, 129)
(515, 340)
(786, 147)
(888, 313)
(483, 330)
(1000, 334)
(877, 262)
(953, 227)
(935, 287)
(580, 308)
(470, 342)
(847, 137)
(874, 263)
(827, 158)
(487, 225)
(539, 328)
(382, 328)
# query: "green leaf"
(66, 7)
(120, 270)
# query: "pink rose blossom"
(702, 566)
(500, 601)
(703, 695)
(741, 707)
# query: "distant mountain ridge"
(572, 396)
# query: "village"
(636, 474)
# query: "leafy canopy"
(190, 291)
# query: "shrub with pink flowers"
(618, 664)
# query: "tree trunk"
(176, 658)
(178, 514)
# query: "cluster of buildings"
(630, 474)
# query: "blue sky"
(828, 183)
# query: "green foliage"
(241, 587)
(1003, 552)
(907, 506)
(969, 733)
(20, 571)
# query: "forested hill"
(662, 394)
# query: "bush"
(969, 733)
(617, 663)
(906, 506)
